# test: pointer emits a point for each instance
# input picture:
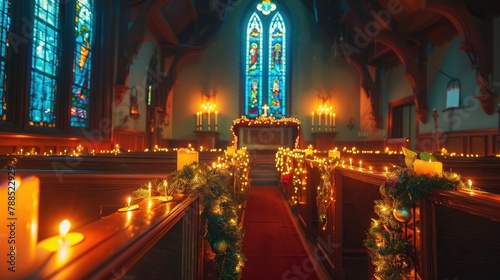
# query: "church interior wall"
(137, 79)
(217, 70)
(453, 62)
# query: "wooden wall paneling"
(481, 142)
(478, 145)
(132, 140)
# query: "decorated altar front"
(265, 132)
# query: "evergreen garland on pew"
(223, 237)
(391, 250)
(325, 194)
(223, 233)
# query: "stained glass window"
(276, 73)
(265, 62)
(84, 27)
(253, 100)
(45, 63)
(4, 31)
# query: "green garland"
(391, 250)
(325, 193)
(223, 234)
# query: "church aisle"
(272, 245)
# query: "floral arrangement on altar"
(391, 237)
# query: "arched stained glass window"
(84, 29)
(253, 88)
(265, 62)
(277, 74)
(45, 63)
(4, 31)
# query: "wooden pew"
(483, 171)
(460, 235)
(80, 197)
(79, 188)
(128, 162)
(163, 240)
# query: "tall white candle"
(197, 120)
(334, 115)
(216, 115)
(20, 232)
(208, 119)
(312, 119)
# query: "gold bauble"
(402, 214)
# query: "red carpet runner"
(272, 246)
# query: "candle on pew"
(334, 154)
(186, 157)
(20, 231)
(64, 240)
(422, 167)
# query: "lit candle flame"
(470, 184)
(128, 201)
(64, 228)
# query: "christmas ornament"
(219, 246)
(402, 214)
(403, 262)
(383, 190)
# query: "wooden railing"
(133, 243)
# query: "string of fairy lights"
(264, 120)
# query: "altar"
(265, 132)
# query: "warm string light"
(264, 120)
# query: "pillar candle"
(334, 154)
(197, 120)
(422, 167)
(208, 119)
(186, 157)
(20, 229)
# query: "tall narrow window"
(253, 88)
(45, 63)
(276, 73)
(265, 62)
(4, 31)
(84, 27)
